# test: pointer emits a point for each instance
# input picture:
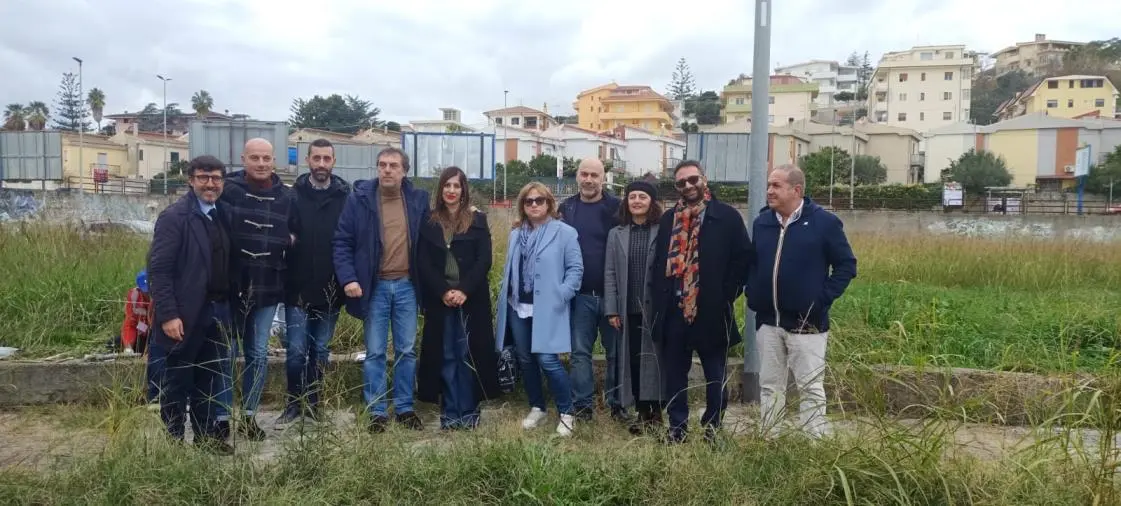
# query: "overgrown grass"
(1028, 305)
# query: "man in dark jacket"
(314, 296)
(189, 277)
(375, 261)
(804, 263)
(593, 213)
(702, 253)
(260, 209)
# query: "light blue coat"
(559, 271)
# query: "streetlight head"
(79, 60)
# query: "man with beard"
(314, 296)
(702, 253)
(593, 213)
(260, 208)
(189, 277)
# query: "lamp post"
(757, 176)
(505, 162)
(81, 128)
(166, 161)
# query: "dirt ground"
(46, 437)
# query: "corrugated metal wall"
(226, 139)
(353, 162)
(724, 156)
(431, 152)
(31, 156)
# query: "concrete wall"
(1071, 227)
(66, 206)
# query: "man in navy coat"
(189, 277)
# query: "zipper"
(774, 274)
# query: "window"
(1099, 102)
(948, 116)
(1052, 85)
(515, 121)
(531, 122)
(497, 121)
(142, 155)
(1070, 83)
(174, 156)
(1051, 104)
(947, 95)
(903, 77)
(902, 97)
(925, 56)
(1070, 102)
(739, 100)
(902, 116)
(948, 76)
(771, 100)
(949, 55)
(922, 116)
(922, 77)
(922, 96)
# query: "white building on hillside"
(512, 143)
(580, 143)
(648, 152)
(830, 76)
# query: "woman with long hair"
(457, 363)
(542, 274)
(630, 256)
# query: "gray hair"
(794, 174)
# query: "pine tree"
(70, 107)
(682, 86)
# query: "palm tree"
(202, 103)
(37, 113)
(14, 117)
(96, 101)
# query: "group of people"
(655, 287)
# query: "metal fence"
(225, 139)
(432, 152)
(353, 162)
(723, 155)
(31, 156)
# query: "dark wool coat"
(259, 237)
(311, 268)
(472, 251)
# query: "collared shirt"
(205, 207)
(793, 217)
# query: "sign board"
(952, 194)
(431, 152)
(1082, 161)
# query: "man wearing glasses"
(189, 278)
(702, 253)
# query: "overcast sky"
(412, 57)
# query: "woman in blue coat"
(542, 273)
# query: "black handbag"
(507, 370)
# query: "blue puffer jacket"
(357, 242)
(798, 298)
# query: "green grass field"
(948, 301)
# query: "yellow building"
(611, 105)
(81, 156)
(1073, 96)
(790, 99)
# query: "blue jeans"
(393, 301)
(587, 317)
(459, 408)
(256, 326)
(307, 333)
(533, 364)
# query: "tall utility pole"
(757, 176)
(81, 129)
(505, 162)
(166, 155)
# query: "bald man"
(792, 302)
(261, 210)
(593, 213)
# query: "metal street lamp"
(166, 160)
(757, 176)
(81, 128)
(505, 161)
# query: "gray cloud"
(410, 58)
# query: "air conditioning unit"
(1069, 169)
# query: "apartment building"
(521, 117)
(790, 98)
(608, 106)
(1073, 96)
(1037, 56)
(922, 88)
(830, 76)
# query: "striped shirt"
(636, 267)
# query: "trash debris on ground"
(7, 351)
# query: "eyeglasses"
(535, 201)
(692, 180)
(208, 179)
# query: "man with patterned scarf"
(702, 254)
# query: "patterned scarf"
(527, 241)
(683, 259)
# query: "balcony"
(881, 85)
(918, 160)
(774, 88)
(733, 107)
(654, 115)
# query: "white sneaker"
(567, 423)
(533, 419)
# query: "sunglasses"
(692, 180)
(535, 201)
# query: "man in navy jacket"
(803, 263)
(190, 282)
(375, 262)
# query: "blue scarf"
(527, 240)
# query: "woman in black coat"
(457, 358)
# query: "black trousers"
(192, 373)
(646, 409)
(678, 356)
